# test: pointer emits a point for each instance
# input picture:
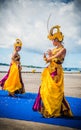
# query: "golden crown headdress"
(18, 43)
(58, 35)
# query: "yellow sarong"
(52, 92)
(13, 81)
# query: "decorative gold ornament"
(57, 35)
(18, 43)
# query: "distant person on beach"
(12, 82)
(50, 101)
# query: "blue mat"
(21, 108)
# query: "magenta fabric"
(54, 73)
(37, 103)
(2, 81)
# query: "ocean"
(24, 69)
(31, 69)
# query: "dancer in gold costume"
(50, 100)
(12, 82)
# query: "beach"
(72, 83)
(72, 88)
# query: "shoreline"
(65, 72)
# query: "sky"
(30, 21)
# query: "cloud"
(27, 20)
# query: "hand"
(44, 57)
(49, 52)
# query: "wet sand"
(72, 88)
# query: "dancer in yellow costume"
(14, 84)
(50, 100)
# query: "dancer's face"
(55, 42)
(18, 48)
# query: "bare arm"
(60, 53)
(13, 55)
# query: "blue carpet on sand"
(21, 108)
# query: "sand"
(10, 124)
(72, 83)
